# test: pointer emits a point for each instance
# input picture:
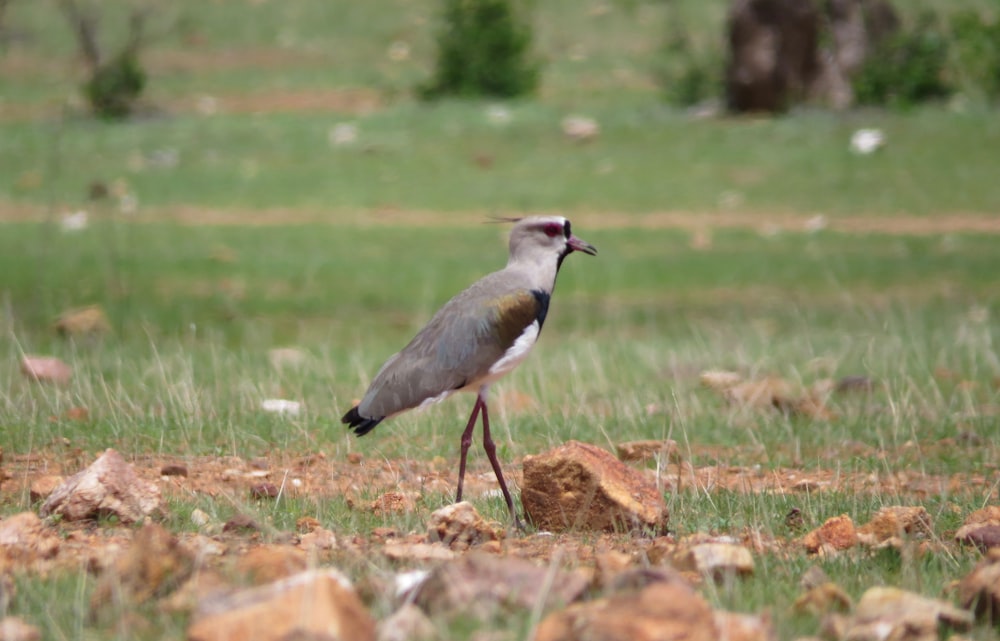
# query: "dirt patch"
(765, 223)
(354, 101)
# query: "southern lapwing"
(477, 337)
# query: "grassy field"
(234, 225)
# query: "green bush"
(483, 50)
(686, 75)
(976, 45)
(908, 68)
(115, 86)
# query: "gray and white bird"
(478, 336)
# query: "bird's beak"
(581, 246)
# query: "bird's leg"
(465, 443)
(491, 453)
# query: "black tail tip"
(358, 423)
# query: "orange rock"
(895, 523)
(836, 533)
(664, 610)
(267, 563)
(312, 605)
(578, 485)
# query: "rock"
(200, 517)
(408, 623)
(174, 469)
(637, 578)
(153, 565)
(734, 626)
(392, 503)
(581, 486)
(315, 605)
(855, 383)
(984, 536)
(417, 551)
(715, 560)
(46, 369)
(981, 528)
(659, 612)
(773, 54)
(241, 524)
(894, 524)
(608, 565)
(890, 613)
(460, 526)
(836, 533)
(25, 539)
(580, 128)
(980, 589)
(203, 585)
(281, 406)
(108, 486)
(86, 321)
(268, 563)
(43, 486)
(15, 629)
(318, 540)
(823, 598)
(478, 583)
(261, 491)
(632, 451)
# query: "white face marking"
(517, 352)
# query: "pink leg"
(491, 453)
(465, 443)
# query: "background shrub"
(483, 50)
(687, 75)
(908, 68)
(976, 47)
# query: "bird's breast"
(517, 352)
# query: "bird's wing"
(457, 347)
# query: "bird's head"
(536, 237)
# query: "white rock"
(76, 221)
(866, 141)
(281, 406)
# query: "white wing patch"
(435, 399)
(517, 352)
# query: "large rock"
(478, 584)
(980, 589)
(581, 486)
(108, 486)
(773, 53)
(981, 528)
(661, 611)
(316, 605)
(891, 613)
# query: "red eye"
(553, 229)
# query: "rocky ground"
(601, 556)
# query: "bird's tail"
(360, 424)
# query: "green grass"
(195, 309)
(429, 158)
